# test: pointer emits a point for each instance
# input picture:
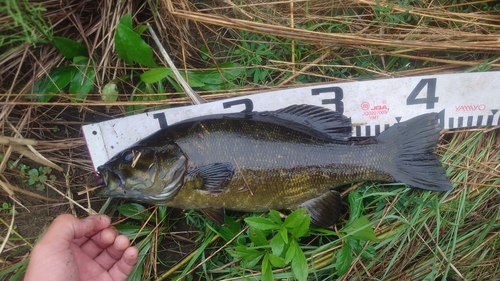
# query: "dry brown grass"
(437, 38)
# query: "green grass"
(420, 235)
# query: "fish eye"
(128, 157)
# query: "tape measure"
(461, 100)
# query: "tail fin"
(416, 164)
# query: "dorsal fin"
(320, 122)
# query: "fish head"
(150, 174)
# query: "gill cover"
(144, 173)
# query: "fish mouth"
(108, 177)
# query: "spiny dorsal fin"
(325, 210)
(323, 122)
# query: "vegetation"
(65, 66)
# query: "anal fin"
(325, 210)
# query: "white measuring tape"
(462, 100)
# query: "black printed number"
(247, 102)
(430, 97)
(338, 95)
(162, 120)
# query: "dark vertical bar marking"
(377, 130)
(368, 131)
(451, 123)
(460, 122)
(479, 120)
(469, 121)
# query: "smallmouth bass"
(285, 159)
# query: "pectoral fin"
(216, 215)
(324, 210)
(214, 177)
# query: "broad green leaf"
(360, 229)
(194, 81)
(358, 247)
(283, 232)
(344, 259)
(132, 231)
(162, 212)
(294, 219)
(132, 211)
(155, 75)
(230, 229)
(109, 93)
(55, 83)
(275, 217)
(249, 257)
(208, 77)
(303, 228)
(261, 223)
(83, 81)
(290, 253)
(267, 272)
(355, 205)
(69, 48)
(130, 46)
(299, 263)
(277, 245)
(257, 237)
(276, 261)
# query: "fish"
(291, 158)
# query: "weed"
(7, 208)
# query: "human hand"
(88, 249)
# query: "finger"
(113, 253)
(99, 242)
(65, 228)
(122, 268)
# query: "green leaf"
(355, 205)
(230, 229)
(162, 212)
(130, 46)
(249, 257)
(261, 223)
(109, 93)
(358, 247)
(283, 232)
(360, 229)
(290, 253)
(83, 81)
(275, 217)
(257, 237)
(55, 83)
(294, 219)
(303, 228)
(267, 272)
(140, 29)
(33, 172)
(276, 261)
(131, 210)
(155, 75)
(299, 263)
(344, 259)
(277, 245)
(69, 48)
(132, 231)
